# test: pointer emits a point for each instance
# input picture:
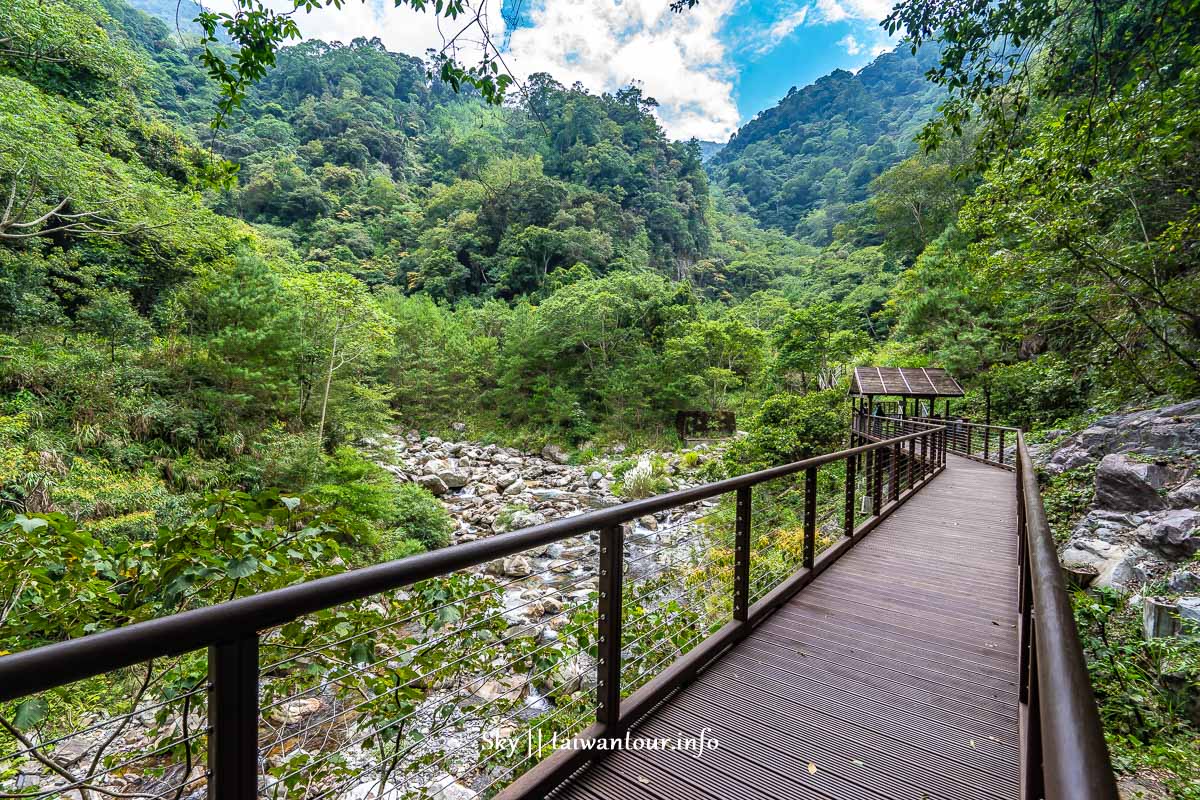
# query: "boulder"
(506, 479)
(448, 788)
(1126, 568)
(558, 455)
(516, 487)
(1189, 610)
(1185, 496)
(1123, 484)
(517, 520)
(509, 687)
(295, 711)
(1183, 580)
(1172, 533)
(518, 567)
(433, 483)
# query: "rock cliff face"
(1144, 521)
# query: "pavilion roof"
(904, 382)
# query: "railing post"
(877, 481)
(1001, 454)
(924, 456)
(1032, 777)
(987, 442)
(810, 516)
(851, 480)
(608, 666)
(233, 717)
(741, 557)
(894, 477)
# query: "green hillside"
(795, 167)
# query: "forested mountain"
(795, 167)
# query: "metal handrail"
(1064, 752)
(963, 436)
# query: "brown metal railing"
(255, 677)
(991, 444)
(1064, 756)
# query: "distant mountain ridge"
(796, 166)
(173, 12)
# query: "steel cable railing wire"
(397, 722)
(332, 791)
(428, 644)
(103, 724)
(423, 613)
(424, 678)
(459, 696)
(512, 715)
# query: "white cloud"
(866, 10)
(604, 44)
(851, 44)
(401, 29)
(782, 28)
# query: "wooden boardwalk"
(892, 675)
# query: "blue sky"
(812, 49)
(711, 68)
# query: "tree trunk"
(325, 399)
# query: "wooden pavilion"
(920, 384)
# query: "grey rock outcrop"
(433, 483)
(1153, 432)
(1145, 516)
(1185, 496)
(553, 452)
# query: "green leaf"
(30, 712)
(241, 567)
(362, 652)
(29, 525)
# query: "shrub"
(790, 427)
(1040, 391)
(645, 478)
(417, 515)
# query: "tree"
(341, 324)
(791, 427)
(710, 359)
(111, 316)
(913, 202)
(816, 342)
